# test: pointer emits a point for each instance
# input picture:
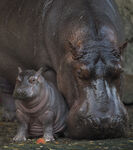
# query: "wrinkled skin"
(80, 44)
(40, 108)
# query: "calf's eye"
(32, 80)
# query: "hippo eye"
(32, 80)
(114, 71)
(84, 73)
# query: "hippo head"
(90, 79)
(28, 84)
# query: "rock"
(126, 12)
(128, 90)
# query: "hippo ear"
(19, 70)
(123, 46)
(38, 73)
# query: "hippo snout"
(105, 122)
(101, 114)
(112, 126)
(19, 94)
(94, 127)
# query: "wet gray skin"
(40, 108)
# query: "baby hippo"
(40, 108)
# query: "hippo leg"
(22, 127)
(8, 111)
(8, 104)
(21, 134)
(48, 126)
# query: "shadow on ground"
(8, 130)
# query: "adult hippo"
(77, 42)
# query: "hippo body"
(40, 108)
(7, 100)
(79, 44)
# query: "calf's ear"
(19, 70)
(39, 72)
(123, 46)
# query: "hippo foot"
(48, 137)
(8, 116)
(19, 138)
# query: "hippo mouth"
(22, 95)
(100, 128)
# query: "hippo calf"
(41, 110)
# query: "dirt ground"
(8, 130)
